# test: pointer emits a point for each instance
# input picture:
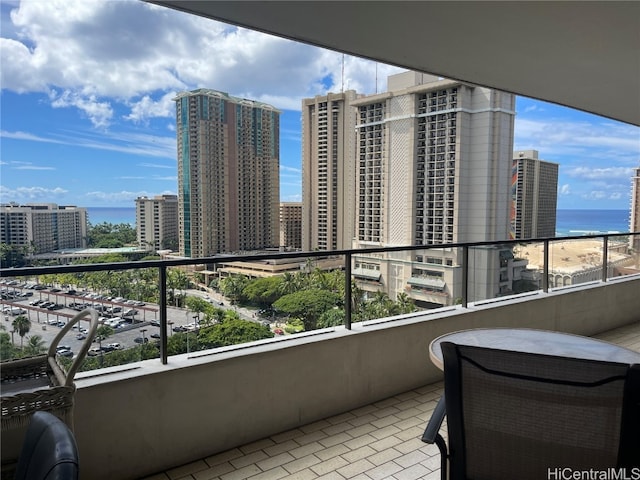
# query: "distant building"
(228, 173)
(534, 193)
(291, 225)
(157, 222)
(43, 227)
(328, 171)
(433, 165)
(634, 219)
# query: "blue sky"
(87, 117)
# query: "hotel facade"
(228, 173)
(433, 166)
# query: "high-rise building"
(157, 222)
(433, 166)
(43, 227)
(534, 192)
(228, 173)
(634, 219)
(291, 225)
(328, 169)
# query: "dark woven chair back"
(519, 415)
(49, 451)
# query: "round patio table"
(542, 342)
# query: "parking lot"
(49, 309)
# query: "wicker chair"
(522, 415)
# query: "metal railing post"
(605, 257)
(347, 291)
(545, 266)
(162, 304)
(465, 276)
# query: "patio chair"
(527, 416)
(49, 450)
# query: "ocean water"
(98, 215)
(583, 222)
(568, 222)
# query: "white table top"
(535, 341)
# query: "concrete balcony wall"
(147, 417)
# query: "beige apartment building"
(291, 225)
(43, 227)
(157, 222)
(328, 166)
(534, 191)
(433, 166)
(228, 173)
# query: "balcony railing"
(463, 259)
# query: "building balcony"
(342, 402)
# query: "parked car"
(115, 346)
(155, 335)
(65, 353)
(155, 323)
(93, 351)
(60, 348)
(179, 328)
(81, 336)
(141, 340)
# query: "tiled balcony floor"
(378, 441)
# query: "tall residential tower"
(328, 169)
(157, 222)
(534, 191)
(228, 173)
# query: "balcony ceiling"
(584, 55)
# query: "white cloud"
(565, 190)
(33, 167)
(100, 113)
(284, 168)
(94, 54)
(31, 194)
(606, 173)
(124, 142)
(116, 197)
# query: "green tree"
(232, 332)
(332, 318)
(108, 235)
(7, 349)
(176, 279)
(35, 346)
(405, 303)
(307, 305)
(21, 325)
(183, 342)
(263, 291)
(102, 333)
(233, 286)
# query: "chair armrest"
(435, 422)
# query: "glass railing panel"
(230, 301)
(623, 255)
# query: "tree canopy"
(232, 332)
(307, 305)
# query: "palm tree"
(22, 325)
(102, 333)
(35, 346)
